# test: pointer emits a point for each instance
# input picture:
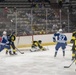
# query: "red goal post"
(24, 41)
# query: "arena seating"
(17, 16)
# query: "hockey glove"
(54, 40)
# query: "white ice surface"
(37, 63)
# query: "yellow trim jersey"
(12, 38)
(73, 39)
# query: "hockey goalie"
(37, 46)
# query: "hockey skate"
(10, 53)
(55, 54)
(63, 53)
(14, 53)
(6, 51)
(72, 58)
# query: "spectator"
(54, 27)
(42, 32)
(33, 5)
(14, 9)
(29, 0)
(63, 25)
(5, 11)
(40, 5)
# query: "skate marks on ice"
(36, 63)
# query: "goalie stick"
(19, 51)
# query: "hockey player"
(40, 45)
(5, 43)
(11, 39)
(61, 40)
(36, 46)
(73, 40)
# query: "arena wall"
(26, 41)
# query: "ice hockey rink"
(37, 63)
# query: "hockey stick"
(69, 65)
(19, 51)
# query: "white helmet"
(4, 32)
(60, 30)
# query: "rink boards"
(26, 41)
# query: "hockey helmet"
(4, 32)
(60, 30)
(39, 41)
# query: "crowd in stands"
(32, 21)
(38, 3)
(36, 22)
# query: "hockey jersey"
(59, 37)
(4, 39)
(4, 43)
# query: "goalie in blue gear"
(61, 40)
